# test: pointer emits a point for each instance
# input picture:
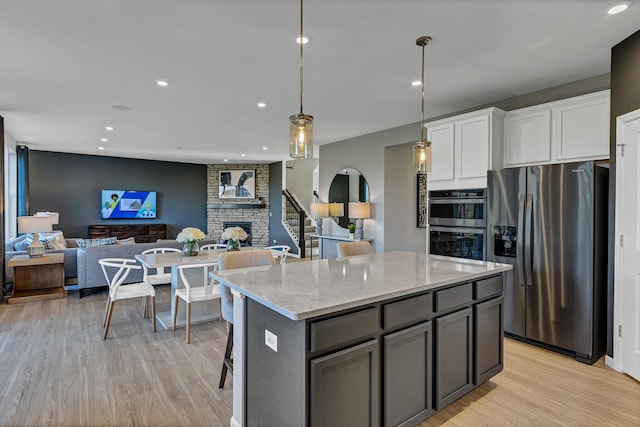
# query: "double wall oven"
(458, 220)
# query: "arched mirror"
(348, 186)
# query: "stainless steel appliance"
(550, 223)
(457, 220)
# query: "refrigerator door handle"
(528, 257)
(521, 238)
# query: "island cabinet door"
(454, 356)
(345, 388)
(488, 340)
(408, 381)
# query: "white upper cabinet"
(463, 148)
(564, 131)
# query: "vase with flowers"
(190, 237)
(233, 235)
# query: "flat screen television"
(128, 204)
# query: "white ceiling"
(63, 63)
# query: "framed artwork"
(237, 184)
(421, 213)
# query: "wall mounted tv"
(128, 204)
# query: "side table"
(37, 278)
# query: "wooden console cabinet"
(37, 278)
(143, 233)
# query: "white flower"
(190, 234)
(234, 233)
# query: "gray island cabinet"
(384, 339)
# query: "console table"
(37, 278)
(329, 244)
(143, 233)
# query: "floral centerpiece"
(190, 237)
(233, 235)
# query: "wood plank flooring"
(55, 370)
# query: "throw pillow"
(53, 239)
(127, 241)
(21, 245)
(86, 243)
(47, 241)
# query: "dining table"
(201, 311)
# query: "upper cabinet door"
(581, 129)
(569, 130)
(442, 152)
(473, 141)
(527, 137)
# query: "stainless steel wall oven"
(458, 220)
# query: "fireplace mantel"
(237, 205)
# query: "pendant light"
(301, 125)
(422, 148)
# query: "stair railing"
(295, 216)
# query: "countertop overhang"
(301, 290)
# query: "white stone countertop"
(301, 290)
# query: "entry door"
(627, 274)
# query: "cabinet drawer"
(454, 297)
(488, 287)
(410, 310)
(344, 329)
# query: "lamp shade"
(319, 210)
(34, 224)
(359, 210)
(336, 209)
(55, 216)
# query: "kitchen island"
(383, 339)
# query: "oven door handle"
(481, 231)
(454, 201)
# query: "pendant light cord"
(422, 97)
(302, 43)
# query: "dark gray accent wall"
(277, 233)
(625, 97)
(71, 183)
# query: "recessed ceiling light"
(121, 107)
(103, 139)
(162, 83)
(416, 83)
(242, 155)
(262, 105)
(225, 160)
(109, 128)
(100, 148)
(618, 8)
(305, 40)
(265, 148)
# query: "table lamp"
(336, 210)
(55, 216)
(34, 225)
(319, 211)
(359, 211)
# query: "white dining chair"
(354, 248)
(195, 290)
(213, 246)
(279, 252)
(162, 275)
(228, 261)
(116, 271)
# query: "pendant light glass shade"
(422, 148)
(301, 125)
(301, 136)
(422, 157)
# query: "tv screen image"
(128, 204)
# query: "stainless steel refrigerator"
(550, 223)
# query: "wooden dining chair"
(354, 248)
(116, 271)
(228, 261)
(195, 289)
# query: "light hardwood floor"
(56, 370)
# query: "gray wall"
(277, 233)
(300, 180)
(366, 153)
(70, 184)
